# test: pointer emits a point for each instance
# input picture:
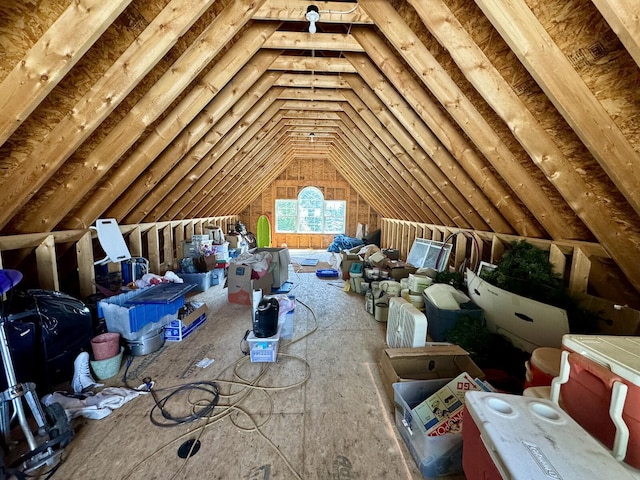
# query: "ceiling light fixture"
(312, 17)
(312, 136)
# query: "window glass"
(310, 213)
(286, 215)
(335, 213)
(310, 210)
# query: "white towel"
(94, 406)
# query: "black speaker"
(265, 323)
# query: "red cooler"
(598, 385)
(521, 438)
(543, 367)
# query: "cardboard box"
(235, 241)
(279, 267)
(178, 330)
(398, 273)
(240, 285)
(425, 363)
(348, 258)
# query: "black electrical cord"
(210, 388)
(171, 421)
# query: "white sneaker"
(82, 379)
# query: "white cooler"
(523, 438)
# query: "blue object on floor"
(327, 273)
(284, 288)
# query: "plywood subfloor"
(337, 425)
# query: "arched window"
(310, 213)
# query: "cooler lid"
(619, 354)
(531, 438)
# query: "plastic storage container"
(441, 321)
(327, 273)
(202, 280)
(133, 320)
(263, 349)
(509, 436)
(435, 456)
(603, 373)
(543, 367)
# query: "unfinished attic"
(476, 126)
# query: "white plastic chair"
(111, 241)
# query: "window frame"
(325, 206)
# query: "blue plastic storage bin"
(203, 280)
(130, 319)
(441, 321)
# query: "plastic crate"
(203, 281)
(435, 456)
(263, 349)
(441, 321)
(130, 319)
(218, 276)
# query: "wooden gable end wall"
(310, 172)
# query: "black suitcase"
(49, 330)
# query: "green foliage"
(472, 335)
(456, 279)
(525, 270)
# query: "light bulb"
(312, 17)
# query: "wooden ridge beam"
(312, 64)
(296, 10)
(311, 81)
(333, 42)
(307, 94)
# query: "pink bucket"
(106, 345)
